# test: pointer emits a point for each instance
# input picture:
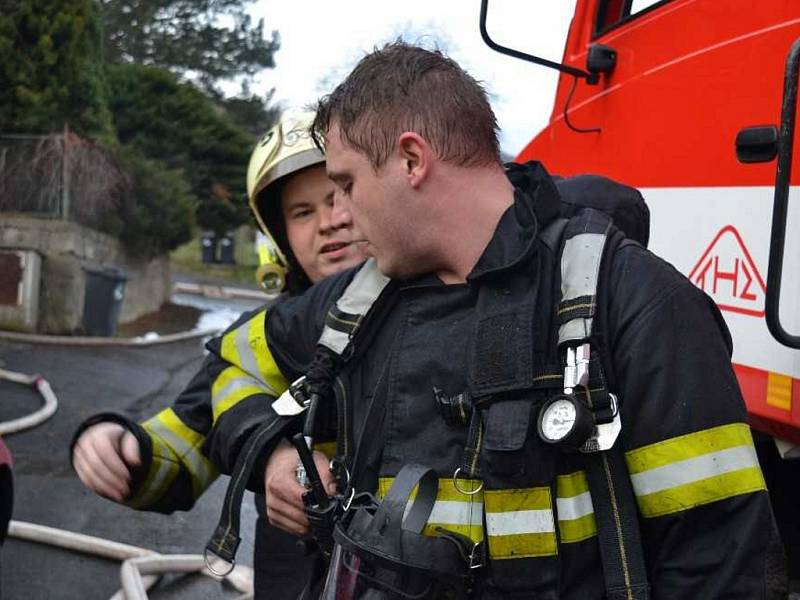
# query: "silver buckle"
(475, 557)
(605, 434)
(287, 404)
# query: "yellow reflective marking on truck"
(779, 391)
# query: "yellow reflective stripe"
(573, 484)
(246, 348)
(695, 469)
(537, 498)
(267, 368)
(519, 523)
(453, 510)
(228, 348)
(231, 387)
(185, 443)
(447, 489)
(167, 424)
(576, 520)
(702, 492)
(163, 471)
(577, 530)
(688, 446)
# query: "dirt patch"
(170, 318)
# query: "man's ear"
(416, 156)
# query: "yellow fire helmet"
(283, 150)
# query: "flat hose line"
(69, 340)
(141, 568)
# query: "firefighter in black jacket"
(291, 200)
(411, 145)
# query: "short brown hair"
(400, 88)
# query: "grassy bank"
(188, 259)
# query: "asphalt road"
(86, 380)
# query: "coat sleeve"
(174, 470)
(707, 524)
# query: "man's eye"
(348, 188)
(301, 213)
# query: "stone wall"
(66, 250)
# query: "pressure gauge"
(566, 421)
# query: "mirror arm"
(591, 78)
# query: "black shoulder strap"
(588, 244)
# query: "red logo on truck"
(727, 272)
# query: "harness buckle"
(293, 401)
(605, 434)
(477, 556)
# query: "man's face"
(375, 201)
(321, 246)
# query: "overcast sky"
(322, 40)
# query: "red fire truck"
(693, 102)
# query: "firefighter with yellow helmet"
(163, 464)
(286, 172)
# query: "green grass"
(188, 259)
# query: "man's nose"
(339, 215)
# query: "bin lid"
(107, 272)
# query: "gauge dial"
(558, 419)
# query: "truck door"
(688, 76)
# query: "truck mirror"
(538, 38)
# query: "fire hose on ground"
(141, 568)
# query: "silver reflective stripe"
(189, 455)
(451, 512)
(519, 521)
(694, 469)
(363, 290)
(154, 490)
(247, 359)
(580, 269)
(575, 329)
(334, 340)
(238, 383)
(580, 265)
(574, 507)
(457, 513)
(357, 299)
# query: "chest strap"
(350, 310)
(622, 556)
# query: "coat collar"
(535, 205)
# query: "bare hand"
(103, 457)
(284, 494)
